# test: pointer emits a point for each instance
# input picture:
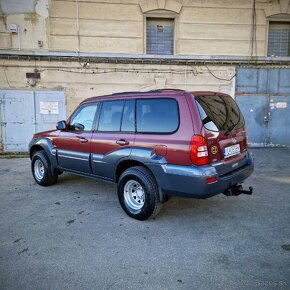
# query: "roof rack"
(145, 92)
(136, 92)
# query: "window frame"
(274, 18)
(114, 132)
(79, 108)
(157, 133)
(161, 14)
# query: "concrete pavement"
(74, 235)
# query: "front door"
(73, 145)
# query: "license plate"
(232, 150)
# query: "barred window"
(159, 33)
(279, 39)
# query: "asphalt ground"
(74, 235)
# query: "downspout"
(78, 26)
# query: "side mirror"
(78, 127)
(61, 125)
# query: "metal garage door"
(26, 112)
(264, 98)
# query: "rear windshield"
(219, 113)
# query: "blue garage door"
(264, 98)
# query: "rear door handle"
(122, 142)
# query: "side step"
(237, 190)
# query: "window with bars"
(279, 39)
(159, 36)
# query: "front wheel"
(41, 169)
(138, 193)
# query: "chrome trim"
(71, 157)
(192, 171)
(98, 161)
(97, 158)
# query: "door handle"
(122, 142)
(83, 140)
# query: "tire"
(138, 193)
(41, 169)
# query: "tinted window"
(128, 124)
(110, 118)
(157, 116)
(219, 113)
(84, 118)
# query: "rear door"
(114, 136)
(224, 130)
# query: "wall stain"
(32, 17)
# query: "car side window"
(128, 120)
(157, 116)
(110, 117)
(83, 119)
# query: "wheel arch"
(46, 145)
(124, 165)
(34, 149)
(128, 163)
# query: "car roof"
(159, 92)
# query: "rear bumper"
(191, 181)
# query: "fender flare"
(47, 146)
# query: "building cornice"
(141, 58)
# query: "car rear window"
(219, 113)
(157, 116)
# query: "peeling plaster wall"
(81, 83)
(212, 27)
(17, 6)
(31, 16)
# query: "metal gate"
(263, 95)
(26, 112)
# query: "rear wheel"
(41, 169)
(138, 193)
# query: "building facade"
(56, 53)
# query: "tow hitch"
(237, 190)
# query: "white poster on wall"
(49, 108)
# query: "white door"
(17, 109)
(25, 112)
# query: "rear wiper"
(206, 120)
(230, 129)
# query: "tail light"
(198, 151)
(245, 139)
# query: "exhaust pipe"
(237, 190)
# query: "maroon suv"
(153, 144)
